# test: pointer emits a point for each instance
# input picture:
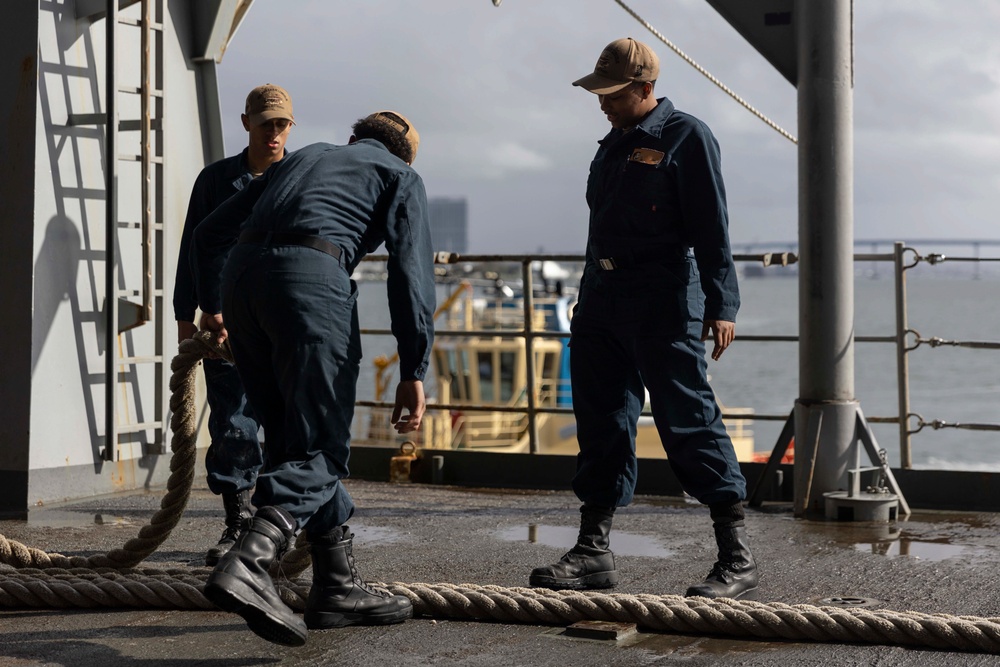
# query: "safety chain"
(686, 58)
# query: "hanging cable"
(686, 58)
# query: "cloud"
(489, 89)
(467, 155)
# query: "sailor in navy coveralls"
(646, 305)
(234, 456)
(288, 304)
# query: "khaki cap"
(267, 102)
(623, 62)
(398, 122)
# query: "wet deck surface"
(932, 563)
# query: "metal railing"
(905, 340)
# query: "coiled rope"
(30, 578)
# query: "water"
(946, 383)
(626, 544)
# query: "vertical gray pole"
(902, 357)
(111, 237)
(527, 291)
(826, 242)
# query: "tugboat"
(479, 359)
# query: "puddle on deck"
(937, 539)
(564, 537)
(375, 535)
(907, 548)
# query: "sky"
(489, 89)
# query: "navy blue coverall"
(291, 310)
(654, 193)
(234, 455)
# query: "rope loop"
(36, 579)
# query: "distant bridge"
(874, 243)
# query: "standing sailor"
(234, 455)
(655, 191)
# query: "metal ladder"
(134, 358)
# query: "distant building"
(449, 224)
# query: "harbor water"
(952, 384)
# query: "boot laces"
(724, 570)
(231, 533)
(360, 582)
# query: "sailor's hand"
(409, 395)
(723, 333)
(214, 324)
(186, 330)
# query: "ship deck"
(934, 562)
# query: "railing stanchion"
(902, 358)
(528, 302)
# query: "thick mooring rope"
(30, 578)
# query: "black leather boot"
(339, 596)
(589, 564)
(735, 573)
(238, 515)
(240, 582)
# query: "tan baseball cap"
(399, 122)
(267, 102)
(623, 62)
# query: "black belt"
(290, 238)
(628, 260)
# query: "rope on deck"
(183, 444)
(31, 578)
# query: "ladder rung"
(136, 90)
(129, 292)
(82, 193)
(154, 359)
(136, 125)
(137, 428)
(137, 23)
(122, 224)
(155, 159)
(92, 133)
(77, 119)
(84, 119)
(64, 69)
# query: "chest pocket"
(646, 191)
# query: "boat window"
(496, 376)
(453, 367)
(507, 361)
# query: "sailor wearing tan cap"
(646, 306)
(234, 455)
(285, 247)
